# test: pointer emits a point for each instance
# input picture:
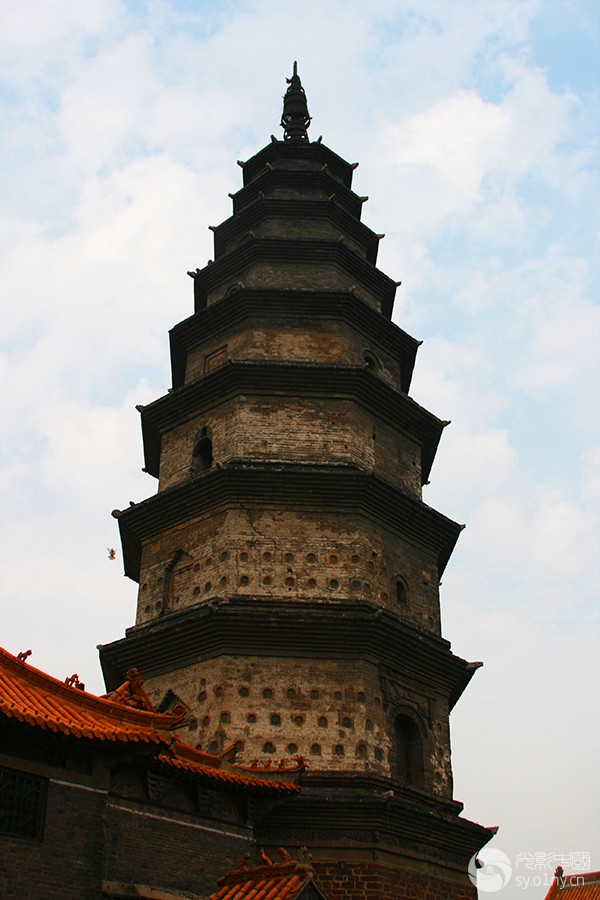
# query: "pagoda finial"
(295, 119)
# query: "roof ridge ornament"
(295, 119)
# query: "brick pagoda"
(288, 567)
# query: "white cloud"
(35, 36)
(455, 140)
(103, 109)
(457, 381)
(539, 123)
(564, 346)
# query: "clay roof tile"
(575, 886)
(31, 696)
(276, 881)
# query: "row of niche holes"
(333, 584)
(290, 582)
(275, 719)
(268, 556)
(209, 561)
(291, 694)
(208, 586)
(362, 750)
(267, 581)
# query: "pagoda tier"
(288, 567)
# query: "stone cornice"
(292, 380)
(307, 488)
(247, 305)
(343, 629)
(274, 251)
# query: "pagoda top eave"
(301, 151)
(273, 180)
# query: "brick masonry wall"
(294, 430)
(325, 341)
(332, 712)
(67, 863)
(90, 837)
(360, 880)
(145, 845)
(291, 555)
(324, 276)
(299, 228)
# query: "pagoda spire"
(295, 119)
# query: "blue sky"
(475, 125)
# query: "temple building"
(288, 607)
(101, 797)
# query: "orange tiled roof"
(284, 880)
(224, 775)
(31, 696)
(577, 886)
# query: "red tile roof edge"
(118, 711)
(286, 878)
(569, 886)
(300, 766)
(258, 873)
(29, 695)
(187, 752)
(218, 774)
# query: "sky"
(475, 126)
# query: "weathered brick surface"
(150, 846)
(276, 553)
(330, 712)
(325, 341)
(67, 863)
(297, 227)
(301, 275)
(294, 430)
(90, 837)
(359, 880)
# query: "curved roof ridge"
(19, 678)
